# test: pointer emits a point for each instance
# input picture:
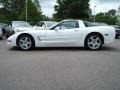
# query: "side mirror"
(43, 28)
(57, 28)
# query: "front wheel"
(93, 42)
(25, 42)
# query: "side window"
(67, 25)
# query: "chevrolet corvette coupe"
(67, 33)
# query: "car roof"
(71, 20)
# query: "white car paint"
(21, 29)
(66, 37)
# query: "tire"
(93, 42)
(25, 42)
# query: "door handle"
(76, 30)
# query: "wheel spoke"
(22, 41)
(97, 43)
(92, 38)
(23, 45)
(90, 43)
(94, 45)
(28, 43)
(26, 39)
(97, 39)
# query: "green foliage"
(118, 16)
(46, 18)
(76, 9)
(16, 10)
(34, 15)
(118, 19)
(106, 18)
(112, 12)
(4, 15)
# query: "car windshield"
(50, 23)
(20, 24)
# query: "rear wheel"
(93, 42)
(25, 42)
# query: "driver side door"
(66, 33)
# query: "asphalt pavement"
(60, 68)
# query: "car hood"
(23, 28)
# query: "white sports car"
(67, 33)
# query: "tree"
(106, 18)
(37, 4)
(72, 9)
(112, 12)
(118, 16)
(12, 8)
(6, 4)
(17, 5)
(33, 14)
(16, 10)
(4, 15)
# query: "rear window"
(89, 24)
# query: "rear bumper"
(11, 41)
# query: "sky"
(101, 6)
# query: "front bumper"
(10, 43)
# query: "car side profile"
(67, 33)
